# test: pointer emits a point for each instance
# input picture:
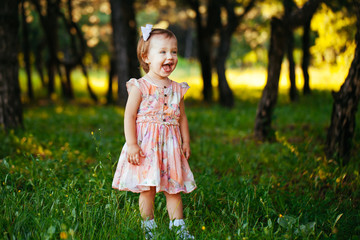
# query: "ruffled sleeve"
(131, 83)
(183, 88)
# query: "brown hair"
(143, 46)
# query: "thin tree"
(346, 100)
(226, 32)
(123, 63)
(10, 103)
(305, 63)
(77, 53)
(120, 40)
(50, 24)
(290, 6)
(26, 50)
(278, 39)
(205, 32)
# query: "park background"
(56, 170)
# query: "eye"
(162, 52)
(174, 52)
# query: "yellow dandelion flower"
(280, 215)
(63, 235)
(203, 228)
(92, 133)
(66, 195)
(19, 191)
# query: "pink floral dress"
(158, 133)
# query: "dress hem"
(135, 191)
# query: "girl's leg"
(146, 204)
(174, 206)
(175, 210)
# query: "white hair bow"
(146, 31)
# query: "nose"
(169, 55)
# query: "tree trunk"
(120, 33)
(342, 127)
(306, 57)
(68, 69)
(10, 103)
(226, 95)
(132, 36)
(290, 48)
(26, 50)
(39, 63)
(74, 56)
(188, 43)
(109, 95)
(268, 100)
(263, 130)
(289, 6)
(52, 42)
(204, 48)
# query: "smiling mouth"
(167, 67)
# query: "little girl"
(155, 155)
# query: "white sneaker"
(181, 231)
(149, 226)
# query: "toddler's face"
(162, 56)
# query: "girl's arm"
(132, 106)
(184, 129)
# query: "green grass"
(56, 175)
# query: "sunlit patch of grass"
(240, 80)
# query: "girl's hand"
(134, 153)
(186, 150)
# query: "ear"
(145, 58)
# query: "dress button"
(165, 95)
(164, 86)
(165, 104)
(164, 120)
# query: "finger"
(187, 154)
(136, 159)
(131, 159)
(142, 154)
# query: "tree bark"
(132, 36)
(39, 62)
(109, 95)
(306, 57)
(77, 54)
(120, 38)
(226, 32)
(26, 50)
(226, 95)
(289, 6)
(50, 28)
(204, 48)
(290, 48)
(263, 130)
(343, 121)
(10, 103)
